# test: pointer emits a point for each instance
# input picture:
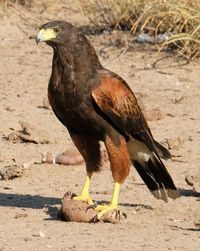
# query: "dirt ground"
(29, 204)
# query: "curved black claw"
(119, 215)
(94, 220)
(124, 215)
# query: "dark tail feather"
(157, 178)
(162, 151)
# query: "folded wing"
(115, 101)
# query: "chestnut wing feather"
(118, 103)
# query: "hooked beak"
(40, 37)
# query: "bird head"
(54, 33)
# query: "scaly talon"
(100, 207)
(103, 210)
(108, 209)
(84, 196)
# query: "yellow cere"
(47, 34)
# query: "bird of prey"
(95, 105)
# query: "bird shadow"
(194, 229)
(27, 201)
(50, 203)
(188, 193)
(53, 213)
(130, 205)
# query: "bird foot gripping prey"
(80, 211)
(109, 213)
(84, 197)
(84, 205)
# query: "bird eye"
(56, 29)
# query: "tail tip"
(164, 194)
(173, 194)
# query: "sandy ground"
(28, 205)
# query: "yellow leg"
(84, 195)
(113, 204)
(115, 196)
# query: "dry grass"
(179, 17)
(25, 3)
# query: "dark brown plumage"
(96, 105)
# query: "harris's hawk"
(96, 105)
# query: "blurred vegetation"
(180, 18)
(25, 3)
(177, 20)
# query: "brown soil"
(29, 204)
